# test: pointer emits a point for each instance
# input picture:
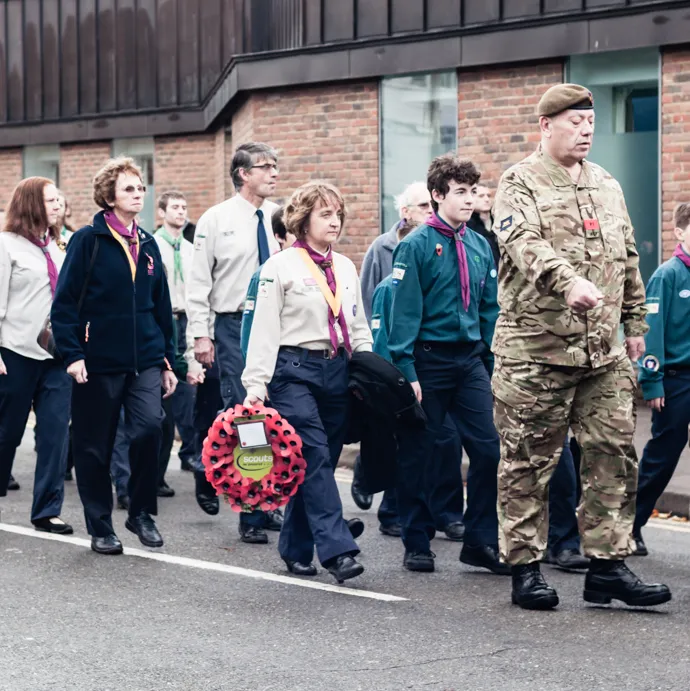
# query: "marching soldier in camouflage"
(568, 279)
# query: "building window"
(625, 86)
(42, 161)
(141, 150)
(419, 120)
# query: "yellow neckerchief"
(125, 247)
(334, 302)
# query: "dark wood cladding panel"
(338, 20)
(211, 26)
(443, 13)
(88, 60)
(482, 11)
(33, 74)
(167, 52)
(598, 4)
(188, 47)
(147, 55)
(520, 8)
(312, 23)
(50, 39)
(407, 15)
(15, 61)
(106, 49)
(3, 69)
(372, 18)
(126, 54)
(562, 5)
(69, 53)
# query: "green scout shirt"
(248, 313)
(552, 231)
(427, 298)
(668, 316)
(380, 316)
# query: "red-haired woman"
(30, 260)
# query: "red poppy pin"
(439, 250)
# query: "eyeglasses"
(268, 166)
(130, 189)
(424, 206)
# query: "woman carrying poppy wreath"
(113, 327)
(308, 319)
(30, 260)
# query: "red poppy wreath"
(260, 477)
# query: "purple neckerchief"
(130, 235)
(682, 255)
(52, 269)
(326, 263)
(435, 221)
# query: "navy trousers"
(454, 382)
(444, 484)
(311, 392)
(45, 385)
(119, 460)
(182, 401)
(662, 452)
(95, 413)
(563, 500)
(231, 364)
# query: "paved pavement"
(203, 617)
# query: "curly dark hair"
(449, 167)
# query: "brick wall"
(10, 173)
(193, 165)
(497, 125)
(78, 165)
(328, 132)
(675, 140)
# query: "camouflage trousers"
(535, 406)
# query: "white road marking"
(669, 525)
(208, 565)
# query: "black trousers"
(95, 414)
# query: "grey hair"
(246, 155)
(403, 199)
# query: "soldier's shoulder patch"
(506, 223)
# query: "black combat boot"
(609, 579)
(530, 590)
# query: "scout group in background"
(467, 298)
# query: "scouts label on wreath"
(253, 454)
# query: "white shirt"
(177, 287)
(292, 311)
(25, 297)
(225, 257)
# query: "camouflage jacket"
(552, 231)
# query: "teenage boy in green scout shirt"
(441, 326)
(664, 374)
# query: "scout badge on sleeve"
(253, 457)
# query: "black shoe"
(530, 590)
(300, 569)
(123, 502)
(485, 557)
(13, 484)
(53, 525)
(164, 490)
(274, 520)
(186, 466)
(344, 567)
(69, 476)
(363, 501)
(106, 545)
(640, 547)
(206, 496)
(455, 531)
(252, 535)
(567, 560)
(609, 580)
(356, 526)
(419, 561)
(394, 529)
(142, 524)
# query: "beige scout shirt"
(552, 231)
(292, 311)
(177, 287)
(225, 257)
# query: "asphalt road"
(75, 621)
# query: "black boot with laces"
(609, 579)
(530, 590)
